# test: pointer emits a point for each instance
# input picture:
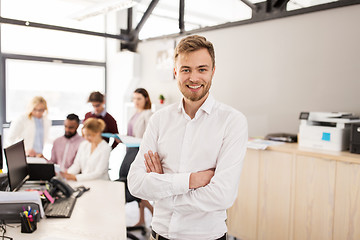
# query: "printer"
(326, 130)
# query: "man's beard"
(70, 135)
(195, 97)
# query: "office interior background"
(269, 65)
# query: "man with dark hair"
(65, 148)
(97, 100)
(191, 155)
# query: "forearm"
(222, 190)
(219, 194)
(154, 186)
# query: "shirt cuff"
(181, 183)
(79, 177)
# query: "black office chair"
(123, 172)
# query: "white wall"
(273, 70)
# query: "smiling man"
(192, 153)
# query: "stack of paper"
(261, 144)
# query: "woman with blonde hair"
(92, 159)
(33, 127)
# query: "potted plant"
(161, 98)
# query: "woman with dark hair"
(136, 128)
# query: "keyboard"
(61, 208)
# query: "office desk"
(98, 214)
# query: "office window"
(198, 14)
(66, 87)
(208, 13)
(297, 4)
(63, 13)
(49, 43)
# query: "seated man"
(65, 148)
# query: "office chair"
(123, 172)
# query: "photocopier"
(326, 130)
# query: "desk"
(98, 214)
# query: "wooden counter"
(287, 192)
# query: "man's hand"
(152, 163)
(201, 179)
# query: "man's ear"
(213, 72)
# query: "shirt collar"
(103, 113)
(206, 106)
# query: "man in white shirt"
(191, 156)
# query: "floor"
(132, 217)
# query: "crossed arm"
(197, 179)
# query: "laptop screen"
(16, 163)
(1, 155)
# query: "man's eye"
(202, 70)
(185, 70)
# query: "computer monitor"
(1, 154)
(16, 163)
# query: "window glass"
(50, 43)
(55, 12)
(213, 12)
(198, 14)
(297, 4)
(65, 87)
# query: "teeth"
(195, 87)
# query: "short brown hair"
(95, 125)
(145, 94)
(96, 97)
(194, 43)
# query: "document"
(35, 160)
(261, 144)
(127, 140)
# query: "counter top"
(344, 156)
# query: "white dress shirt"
(215, 138)
(91, 165)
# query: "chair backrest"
(128, 159)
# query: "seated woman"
(92, 159)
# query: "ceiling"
(89, 14)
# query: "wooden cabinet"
(243, 213)
(314, 198)
(347, 202)
(274, 195)
(291, 193)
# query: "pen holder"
(27, 226)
